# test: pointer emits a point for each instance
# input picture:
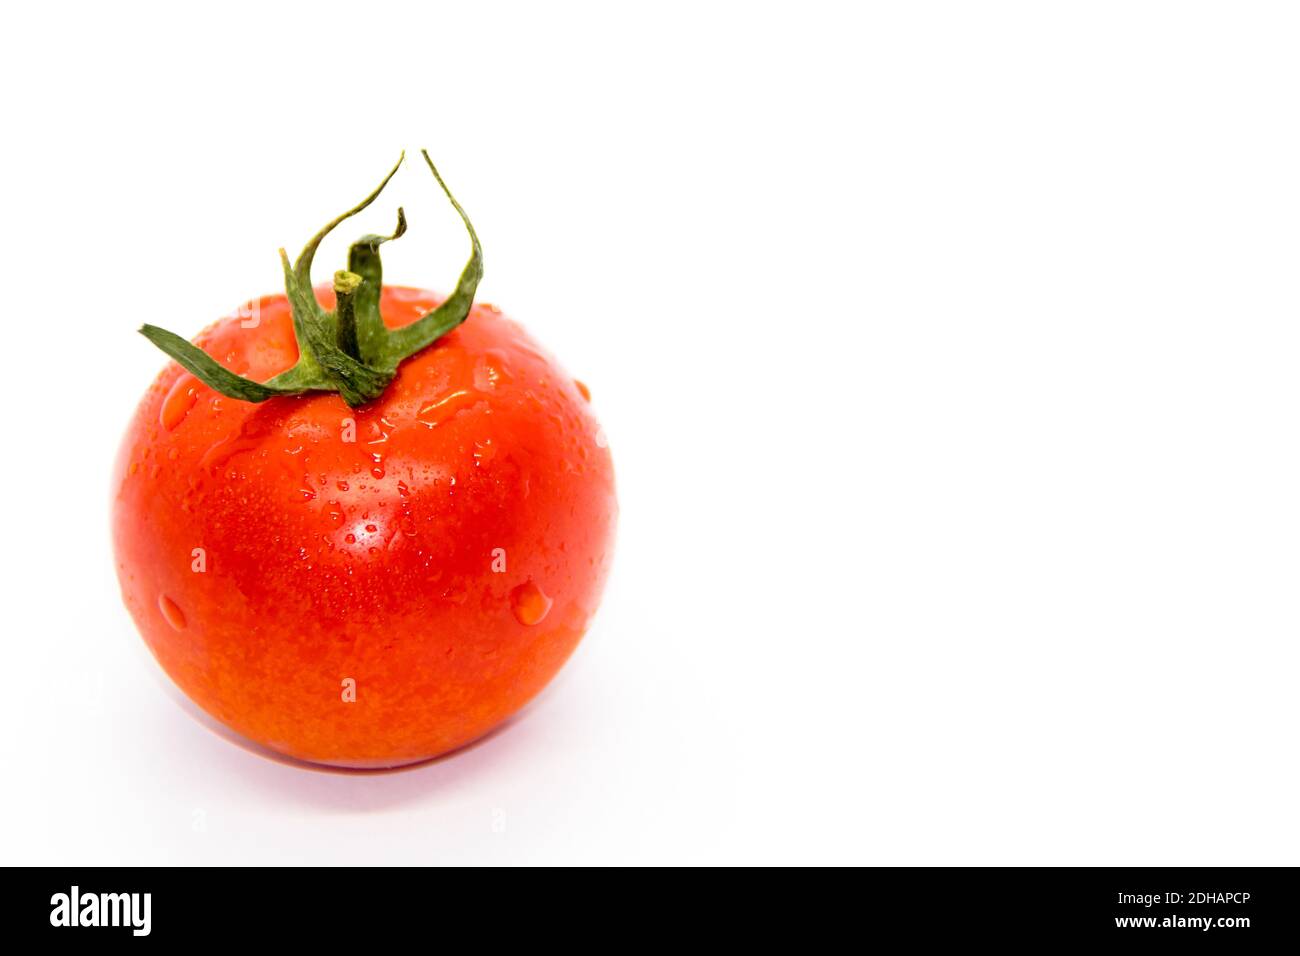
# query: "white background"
(948, 355)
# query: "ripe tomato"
(366, 586)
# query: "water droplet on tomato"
(247, 439)
(529, 604)
(583, 390)
(491, 370)
(171, 612)
(435, 413)
(178, 402)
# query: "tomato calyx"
(348, 350)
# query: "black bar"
(1227, 907)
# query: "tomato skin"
(446, 562)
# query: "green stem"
(363, 259)
(345, 331)
(349, 350)
(409, 339)
(302, 268)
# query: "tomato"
(369, 586)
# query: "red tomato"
(366, 587)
